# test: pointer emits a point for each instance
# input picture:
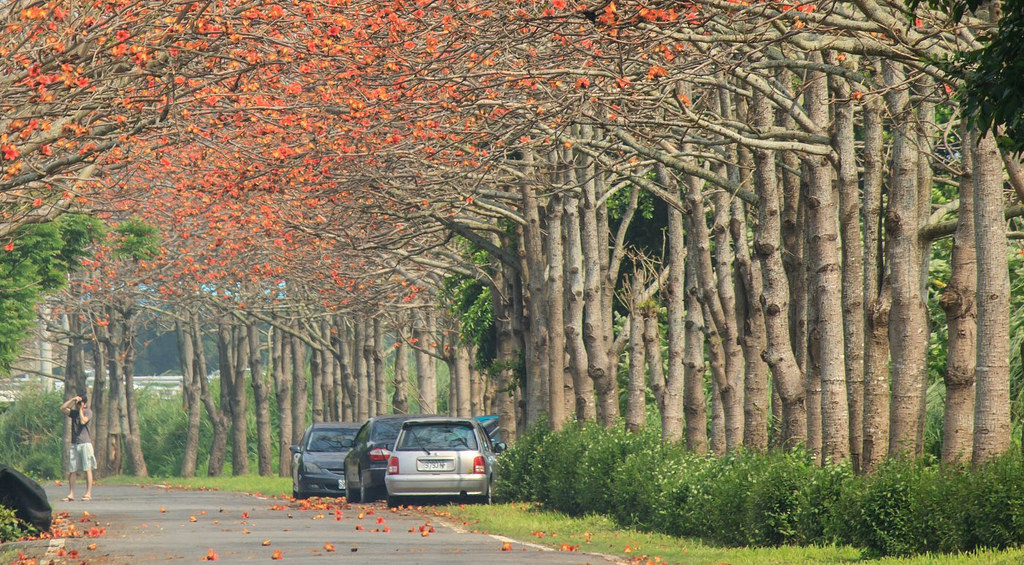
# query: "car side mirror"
(500, 446)
(293, 448)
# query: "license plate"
(432, 465)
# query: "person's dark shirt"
(80, 433)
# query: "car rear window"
(329, 440)
(438, 437)
(385, 431)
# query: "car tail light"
(379, 454)
(478, 465)
(393, 466)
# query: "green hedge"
(750, 499)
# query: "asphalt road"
(154, 524)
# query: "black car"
(367, 463)
(318, 462)
(490, 424)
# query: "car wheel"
(486, 497)
(366, 494)
(351, 495)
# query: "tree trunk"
(694, 400)
(599, 363)
(328, 368)
(281, 362)
(826, 253)
(190, 392)
(261, 399)
(958, 301)
(675, 298)
(133, 439)
(786, 374)
(876, 293)
(992, 401)
(533, 264)
(400, 399)
(316, 381)
(343, 346)
(460, 382)
(233, 347)
(727, 321)
(843, 140)
(380, 386)
(753, 336)
(361, 371)
(655, 363)
(583, 386)
(555, 297)
(477, 396)
(908, 325)
(100, 406)
(426, 368)
(720, 347)
(636, 404)
(218, 447)
(115, 405)
(503, 305)
(300, 388)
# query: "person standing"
(80, 457)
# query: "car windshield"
(438, 437)
(330, 440)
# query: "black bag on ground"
(25, 497)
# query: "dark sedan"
(367, 463)
(318, 462)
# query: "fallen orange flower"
(211, 555)
(277, 554)
(506, 546)
(328, 546)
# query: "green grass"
(597, 534)
(267, 486)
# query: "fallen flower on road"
(328, 546)
(506, 546)
(211, 555)
(277, 554)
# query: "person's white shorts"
(81, 458)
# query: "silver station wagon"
(442, 457)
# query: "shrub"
(785, 494)
(879, 509)
(520, 467)
(818, 519)
(645, 479)
(31, 433)
(11, 528)
(992, 502)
